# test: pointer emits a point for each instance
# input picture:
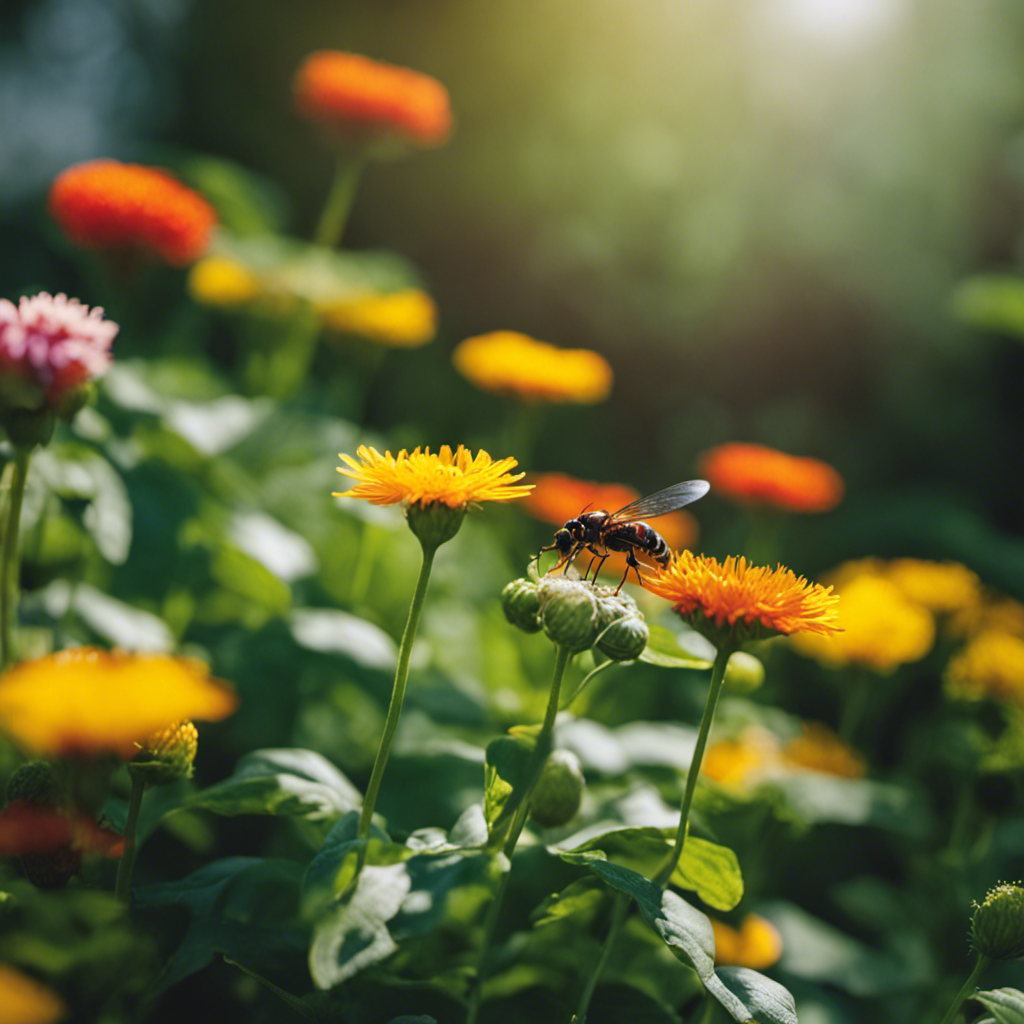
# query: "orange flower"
(733, 601)
(752, 474)
(31, 829)
(87, 701)
(24, 1001)
(757, 944)
(357, 97)
(104, 204)
(508, 363)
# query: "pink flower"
(54, 343)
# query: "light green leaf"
(504, 769)
(1006, 1004)
(665, 651)
(336, 632)
(767, 1001)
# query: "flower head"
(104, 204)
(167, 754)
(756, 944)
(507, 363)
(49, 346)
(819, 749)
(404, 319)
(942, 587)
(993, 611)
(881, 628)
(754, 475)
(223, 282)
(733, 601)
(24, 1001)
(991, 665)
(363, 99)
(997, 925)
(87, 701)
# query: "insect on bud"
(167, 754)
(434, 523)
(743, 673)
(521, 605)
(559, 791)
(997, 925)
(568, 612)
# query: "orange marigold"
(733, 601)
(104, 204)
(357, 96)
(755, 475)
(756, 944)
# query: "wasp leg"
(631, 563)
(597, 555)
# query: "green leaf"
(1006, 1004)
(664, 650)
(287, 781)
(767, 1001)
(504, 769)
(582, 897)
(335, 632)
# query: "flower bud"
(434, 523)
(559, 791)
(997, 925)
(743, 673)
(521, 605)
(36, 783)
(625, 639)
(568, 612)
(167, 754)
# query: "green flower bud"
(521, 605)
(559, 791)
(434, 523)
(28, 427)
(625, 639)
(611, 606)
(743, 673)
(167, 754)
(36, 783)
(997, 925)
(568, 612)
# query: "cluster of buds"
(997, 925)
(577, 615)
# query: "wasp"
(624, 530)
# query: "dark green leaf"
(583, 897)
(1006, 1004)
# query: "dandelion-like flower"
(404, 319)
(733, 601)
(359, 98)
(50, 345)
(755, 475)
(756, 943)
(104, 204)
(508, 363)
(87, 701)
(991, 665)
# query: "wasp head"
(564, 539)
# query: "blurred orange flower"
(755, 475)
(24, 1001)
(509, 363)
(104, 204)
(27, 828)
(757, 943)
(88, 701)
(360, 97)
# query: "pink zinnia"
(54, 342)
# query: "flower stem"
(339, 200)
(967, 989)
(123, 887)
(620, 910)
(533, 769)
(9, 555)
(856, 704)
(397, 692)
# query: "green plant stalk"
(397, 693)
(967, 989)
(622, 901)
(9, 563)
(342, 191)
(533, 771)
(123, 886)
(856, 704)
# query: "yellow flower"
(991, 665)
(508, 363)
(744, 760)
(757, 943)
(24, 1001)
(819, 749)
(167, 754)
(220, 281)
(403, 319)
(87, 701)
(741, 600)
(1002, 614)
(881, 628)
(941, 587)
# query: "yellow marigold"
(941, 587)
(359, 98)
(757, 944)
(742, 601)
(819, 749)
(104, 204)
(24, 1001)
(87, 701)
(404, 319)
(508, 363)
(753, 474)
(991, 665)
(881, 628)
(220, 281)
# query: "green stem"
(397, 692)
(9, 556)
(620, 910)
(533, 769)
(967, 989)
(586, 680)
(856, 704)
(339, 200)
(123, 887)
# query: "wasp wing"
(660, 503)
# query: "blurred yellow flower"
(508, 363)
(24, 1001)
(881, 628)
(221, 281)
(757, 944)
(819, 749)
(1002, 614)
(404, 319)
(941, 587)
(744, 760)
(88, 701)
(991, 665)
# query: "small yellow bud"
(997, 925)
(167, 754)
(743, 673)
